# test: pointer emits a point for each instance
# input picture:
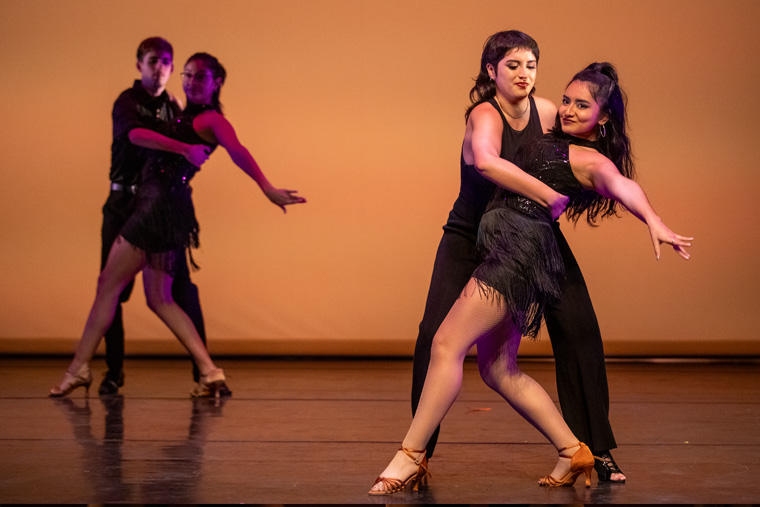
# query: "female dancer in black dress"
(163, 225)
(521, 272)
(504, 114)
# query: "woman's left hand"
(660, 233)
(282, 197)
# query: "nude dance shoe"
(391, 486)
(71, 381)
(210, 385)
(582, 462)
(203, 391)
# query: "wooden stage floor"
(320, 431)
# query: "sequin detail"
(521, 263)
(163, 223)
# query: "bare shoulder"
(208, 118)
(545, 105)
(588, 160)
(484, 113)
(210, 125)
(547, 111)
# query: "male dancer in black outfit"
(146, 105)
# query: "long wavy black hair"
(494, 49)
(217, 70)
(602, 81)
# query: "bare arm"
(596, 172)
(225, 135)
(484, 137)
(196, 154)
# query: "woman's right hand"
(196, 154)
(557, 205)
(661, 233)
(282, 197)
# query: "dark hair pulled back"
(218, 71)
(494, 49)
(602, 80)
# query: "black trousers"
(117, 209)
(571, 322)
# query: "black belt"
(118, 187)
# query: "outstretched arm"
(595, 171)
(485, 143)
(225, 135)
(196, 154)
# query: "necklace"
(506, 113)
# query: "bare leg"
(124, 262)
(497, 361)
(158, 293)
(471, 318)
(476, 320)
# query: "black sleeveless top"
(173, 169)
(474, 189)
(521, 261)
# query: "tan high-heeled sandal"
(212, 381)
(71, 381)
(391, 485)
(582, 461)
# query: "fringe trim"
(522, 266)
(163, 225)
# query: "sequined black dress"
(521, 261)
(163, 223)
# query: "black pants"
(116, 211)
(571, 322)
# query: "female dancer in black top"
(503, 115)
(163, 225)
(522, 270)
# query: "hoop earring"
(602, 130)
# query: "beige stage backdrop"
(359, 105)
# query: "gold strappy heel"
(212, 381)
(391, 486)
(580, 462)
(71, 381)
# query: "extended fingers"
(294, 199)
(679, 242)
(679, 245)
(682, 252)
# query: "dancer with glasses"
(162, 227)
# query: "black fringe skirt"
(521, 264)
(163, 224)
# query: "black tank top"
(474, 189)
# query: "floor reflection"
(102, 459)
(180, 468)
(172, 478)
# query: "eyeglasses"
(200, 76)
